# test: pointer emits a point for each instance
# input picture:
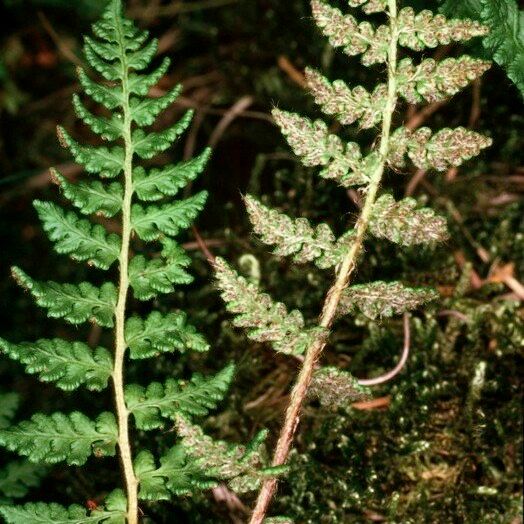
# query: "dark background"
(438, 448)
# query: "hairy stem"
(120, 311)
(344, 274)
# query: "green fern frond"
(8, 405)
(91, 197)
(148, 278)
(113, 512)
(178, 474)
(121, 53)
(161, 334)
(75, 303)
(167, 181)
(266, 320)
(191, 398)
(383, 299)
(59, 437)
(78, 237)
(144, 112)
(109, 96)
(104, 161)
(69, 364)
(147, 145)
(401, 222)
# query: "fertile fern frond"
(78, 237)
(178, 474)
(342, 162)
(75, 303)
(295, 237)
(348, 105)
(351, 164)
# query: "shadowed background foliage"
(440, 443)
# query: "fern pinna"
(120, 53)
(400, 221)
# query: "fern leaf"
(317, 147)
(139, 84)
(108, 129)
(110, 97)
(144, 112)
(18, 477)
(167, 181)
(160, 334)
(141, 58)
(111, 71)
(244, 467)
(440, 151)
(147, 145)
(91, 197)
(59, 437)
(505, 40)
(335, 388)
(424, 29)
(347, 105)
(383, 299)
(107, 162)
(8, 406)
(432, 81)
(402, 223)
(69, 364)
(295, 237)
(150, 277)
(178, 474)
(78, 237)
(75, 303)
(151, 222)
(114, 512)
(267, 321)
(196, 398)
(344, 31)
